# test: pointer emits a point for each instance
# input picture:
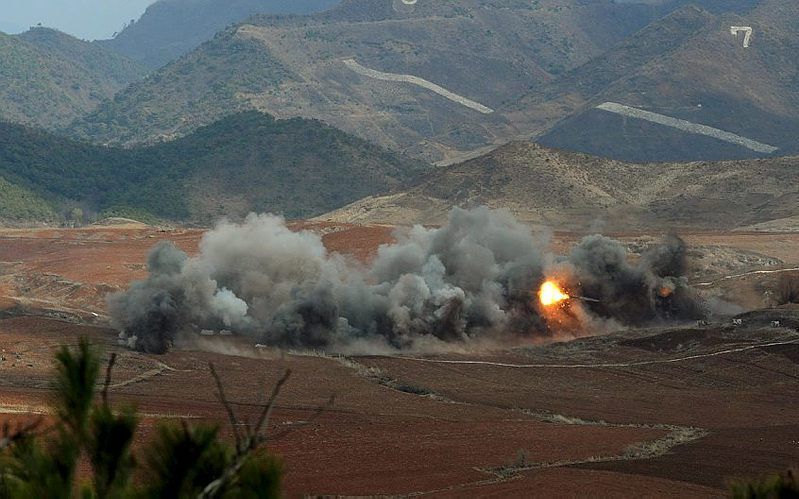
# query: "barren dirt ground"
(665, 411)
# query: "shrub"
(182, 461)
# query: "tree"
(182, 461)
(76, 215)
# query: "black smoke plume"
(475, 277)
(654, 289)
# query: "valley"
(621, 413)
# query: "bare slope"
(578, 191)
(689, 67)
(486, 51)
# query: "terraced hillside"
(48, 78)
(576, 191)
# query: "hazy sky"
(88, 19)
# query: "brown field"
(676, 411)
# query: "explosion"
(551, 294)
(469, 279)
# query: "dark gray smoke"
(475, 277)
(653, 289)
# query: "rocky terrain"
(566, 190)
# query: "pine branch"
(107, 383)
(226, 404)
(253, 440)
(9, 438)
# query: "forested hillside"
(246, 162)
(48, 78)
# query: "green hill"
(118, 70)
(245, 162)
(48, 78)
(197, 90)
(20, 204)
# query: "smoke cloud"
(474, 278)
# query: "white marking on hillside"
(379, 75)
(746, 30)
(687, 126)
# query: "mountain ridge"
(511, 46)
(577, 191)
(707, 78)
(169, 29)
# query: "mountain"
(422, 79)
(119, 71)
(245, 162)
(171, 28)
(196, 90)
(569, 190)
(48, 78)
(687, 67)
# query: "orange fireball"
(550, 294)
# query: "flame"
(550, 294)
